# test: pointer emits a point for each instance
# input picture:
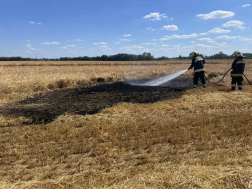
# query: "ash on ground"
(90, 100)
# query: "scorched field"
(81, 125)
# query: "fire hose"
(224, 77)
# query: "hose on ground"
(248, 80)
(224, 77)
(220, 80)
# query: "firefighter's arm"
(191, 65)
(234, 63)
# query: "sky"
(72, 28)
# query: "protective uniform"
(238, 67)
(199, 70)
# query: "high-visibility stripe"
(199, 70)
(240, 62)
(199, 60)
(195, 86)
(236, 75)
(233, 85)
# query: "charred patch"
(90, 100)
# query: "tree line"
(123, 57)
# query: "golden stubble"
(200, 140)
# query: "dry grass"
(20, 80)
(103, 63)
(201, 140)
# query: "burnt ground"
(90, 100)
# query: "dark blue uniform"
(199, 70)
(238, 67)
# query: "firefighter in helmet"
(238, 67)
(199, 70)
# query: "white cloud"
(234, 23)
(227, 37)
(221, 44)
(136, 47)
(124, 39)
(50, 43)
(215, 46)
(147, 43)
(127, 35)
(155, 16)
(203, 45)
(28, 40)
(170, 27)
(100, 43)
(132, 47)
(218, 30)
(192, 42)
(247, 5)
(165, 45)
(32, 49)
(79, 40)
(219, 14)
(117, 43)
(209, 40)
(203, 34)
(150, 28)
(246, 39)
(31, 22)
(66, 47)
(154, 44)
(28, 45)
(154, 39)
(179, 37)
(171, 19)
(204, 39)
(104, 47)
(91, 49)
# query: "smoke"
(160, 80)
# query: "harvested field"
(66, 126)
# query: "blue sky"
(60, 28)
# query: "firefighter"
(199, 70)
(238, 67)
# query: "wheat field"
(199, 139)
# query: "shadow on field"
(90, 100)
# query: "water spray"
(161, 80)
